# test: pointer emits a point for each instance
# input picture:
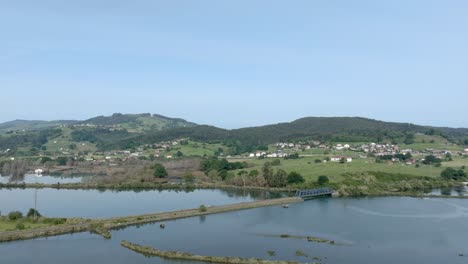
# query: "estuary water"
(365, 230)
(107, 203)
(45, 179)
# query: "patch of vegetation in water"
(308, 238)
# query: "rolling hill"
(349, 129)
(32, 124)
(138, 122)
(124, 131)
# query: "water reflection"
(109, 203)
(45, 179)
(461, 190)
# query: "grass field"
(63, 142)
(7, 225)
(196, 149)
(422, 142)
(335, 170)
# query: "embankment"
(101, 226)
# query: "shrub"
(32, 213)
(202, 208)
(55, 221)
(292, 156)
(295, 177)
(159, 171)
(322, 180)
(20, 226)
(276, 162)
(450, 173)
(318, 161)
(188, 177)
(15, 215)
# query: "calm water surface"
(366, 230)
(99, 204)
(45, 179)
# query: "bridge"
(304, 194)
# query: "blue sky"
(235, 63)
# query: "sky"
(235, 63)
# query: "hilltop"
(336, 129)
(125, 131)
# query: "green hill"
(124, 131)
(338, 129)
(138, 122)
(16, 125)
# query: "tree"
(343, 160)
(292, 156)
(452, 174)
(409, 139)
(243, 174)
(179, 154)
(33, 213)
(279, 179)
(322, 180)
(267, 171)
(45, 159)
(295, 177)
(431, 159)
(253, 173)
(62, 161)
(448, 156)
(318, 161)
(202, 208)
(213, 175)
(159, 171)
(15, 215)
(276, 162)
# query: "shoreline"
(204, 186)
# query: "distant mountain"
(124, 131)
(32, 124)
(349, 129)
(139, 121)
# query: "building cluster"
(382, 149)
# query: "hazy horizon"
(235, 64)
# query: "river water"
(366, 230)
(45, 179)
(101, 204)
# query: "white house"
(251, 155)
(466, 150)
(346, 146)
(338, 159)
(38, 171)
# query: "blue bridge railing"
(314, 192)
